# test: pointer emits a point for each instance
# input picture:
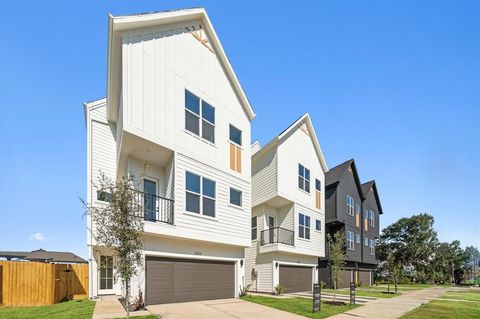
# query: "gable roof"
(335, 174)
(119, 24)
(44, 255)
(366, 187)
(304, 119)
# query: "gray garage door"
(344, 279)
(178, 280)
(364, 277)
(295, 278)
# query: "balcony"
(277, 235)
(154, 208)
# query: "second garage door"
(364, 277)
(295, 278)
(178, 280)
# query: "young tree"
(336, 257)
(119, 227)
(393, 270)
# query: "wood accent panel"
(366, 224)
(232, 156)
(36, 283)
(239, 159)
(357, 220)
(318, 199)
(235, 158)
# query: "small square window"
(318, 225)
(235, 197)
(357, 238)
(235, 135)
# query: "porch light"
(276, 265)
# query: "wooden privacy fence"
(35, 283)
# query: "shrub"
(323, 284)
(244, 290)
(279, 290)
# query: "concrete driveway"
(222, 308)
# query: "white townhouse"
(177, 120)
(288, 211)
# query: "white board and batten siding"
(159, 65)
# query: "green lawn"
(463, 295)
(299, 306)
(443, 309)
(361, 293)
(78, 309)
(464, 304)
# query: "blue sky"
(393, 84)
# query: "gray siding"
(373, 232)
(330, 203)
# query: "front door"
(271, 227)
(106, 275)
(150, 199)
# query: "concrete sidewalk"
(390, 308)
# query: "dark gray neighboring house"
(354, 209)
(42, 255)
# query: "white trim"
(187, 256)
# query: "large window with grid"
(303, 226)
(350, 204)
(200, 195)
(254, 228)
(303, 178)
(199, 117)
(350, 240)
(371, 218)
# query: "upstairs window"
(371, 218)
(318, 225)
(357, 215)
(365, 219)
(200, 195)
(318, 194)
(196, 111)
(254, 228)
(372, 247)
(235, 197)
(104, 196)
(365, 241)
(350, 243)
(350, 204)
(235, 137)
(303, 178)
(303, 226)
(357, 238)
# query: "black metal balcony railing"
(277, 235)
(155, 208)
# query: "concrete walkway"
(390, 308)
(110, 307)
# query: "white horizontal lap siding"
(102, 148)
(231, 223)
(159, 64)
(316, 245)
(264, 176)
